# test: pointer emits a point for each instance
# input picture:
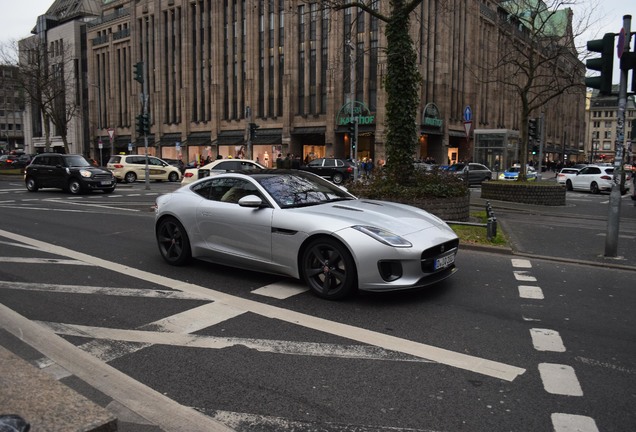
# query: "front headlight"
(384, 236)
(85, 173)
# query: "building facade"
(602, 120)
(211, 68)
(11, 110)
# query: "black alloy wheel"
(337, 178)
(75, 187)
(594, 188)
(31, 184)
(173, 242)
(328, 269)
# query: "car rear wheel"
(130, 177)
(594, 188)
(74, 187)
(173, 177)
(173, 242)
(568, 185)
(31, 184)
(337, 178)
(328, 269)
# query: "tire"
(337, 178)
(328, 269)
(31, 184)
(173, 177)
(173, 242)
(594, 188)
(130, 177)
(75, 187)
(568, 185)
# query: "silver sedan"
(296, 224)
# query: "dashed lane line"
(547, 340)
(573, 423)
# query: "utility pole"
(613, 219)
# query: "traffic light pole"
(611, 238)
(144, 97)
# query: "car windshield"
(514, 169)
(298, 190)
(77, 161)
(456, 167)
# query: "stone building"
(212, 68)
(602, 119)
(11, 108)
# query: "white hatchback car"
(130, 168)
(219, 166)
(593, 178)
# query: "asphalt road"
(510, 343)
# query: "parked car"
(17, 160)
(336, 170)
(130, 168)
(512, 173)
(476, 172)
(70, 172)
(176, 163)
(593, 178)
(563, 176)
(219, 166)
(296, 224)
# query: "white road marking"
(521, 263)
(103, 206)
(530, 292)
(460, 360)
(524, 277)
(592, 362)
(281, 290)
(313, 349)
(547, 340)
(560, 379)
(573, 423)
(22, 260)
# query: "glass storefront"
(496, 148)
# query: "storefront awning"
(268, 136)
(170, 139)
(142, 143)
(198, 139)
(320, 130)
(457, 134)
(233, 137)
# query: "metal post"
(353, 153)
(248, 130)
(613, 219)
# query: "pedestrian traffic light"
(139, 72)
(253, 127)
(603, 64)
(532, 129)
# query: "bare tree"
(47, 77)
(536, 58)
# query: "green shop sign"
(360, 112)
(431, 116)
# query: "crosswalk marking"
(560, 379)
(547, 340)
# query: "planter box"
(447, 209)
(527, 193)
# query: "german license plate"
(445, 261)
(105, 183)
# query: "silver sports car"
(297, 224)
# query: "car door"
(234, 234)
(56, 172)
(157, 169)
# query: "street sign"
(130, 147)
(111, 133)
(467, 126)
(468, 114)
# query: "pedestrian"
(279, 161)
(368, 167)
(287, 161)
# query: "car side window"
(330, 163)
(315, 163)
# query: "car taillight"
(349, 169)
(188, 175)
(118, 166)
(606, 177)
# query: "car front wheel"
(173, 177)
(31, 184)
(130, 177)
(74, 187)
(328, 269)
(173, 242)
(337, 178)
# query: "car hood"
(400, 219)
(92, 169)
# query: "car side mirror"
(251, 201)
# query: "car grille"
(430, 254)
(103, 177)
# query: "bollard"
(491, 228)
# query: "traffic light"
(253, 127)
(143, 124)
(532, 129)
(535, 150)
(603, 64)
(139, 72)
(352, 134)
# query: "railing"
(490, 225)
